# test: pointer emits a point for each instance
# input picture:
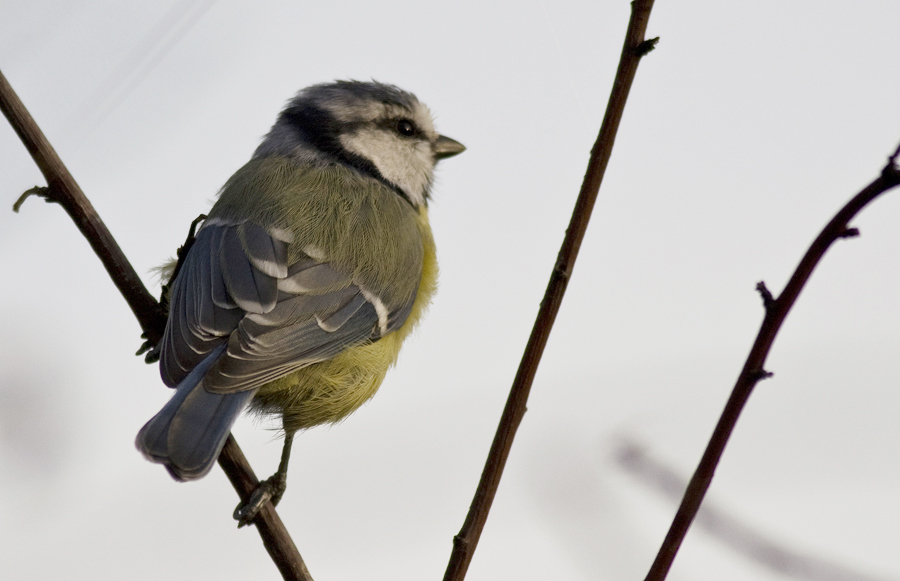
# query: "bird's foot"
(269, 490)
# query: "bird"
(311, 268)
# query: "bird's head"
(378, 129)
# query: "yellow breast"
(329, 391)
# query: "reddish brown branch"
(274, 535)
(753, 371)
(62, 189)
(634, 48)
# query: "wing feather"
(266, 253)
(250, 288)
(220, 296)
(237, 288)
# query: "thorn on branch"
(768, 299)
(761, 374)
(39, 191)
(460, 540)
(561, 273)
(892, 160)
(645, 47)
(849, 233)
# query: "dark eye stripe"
(322, 131)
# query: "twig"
(753, 371)
(634, 48)
(63, 190)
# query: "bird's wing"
(236, 287)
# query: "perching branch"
(275, 536)
(62, 189)
(634, 48)
(753, 371)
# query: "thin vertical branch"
(753, 371)
(62, 189)
(634, 48)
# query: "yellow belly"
(329, 391)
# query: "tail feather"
(190, 430)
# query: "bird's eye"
(406, 128)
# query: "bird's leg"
(270, 489)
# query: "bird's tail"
(190, 431)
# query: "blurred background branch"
(740, 537)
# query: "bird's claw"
(269, 490)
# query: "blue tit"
(312, 267)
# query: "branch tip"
(768, 299)
(645, 47)
(892, 160)
(39, 191)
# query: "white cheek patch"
(403, 162)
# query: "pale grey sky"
(748, 127)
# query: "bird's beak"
(445, 147)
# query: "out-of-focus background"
(748, 127)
